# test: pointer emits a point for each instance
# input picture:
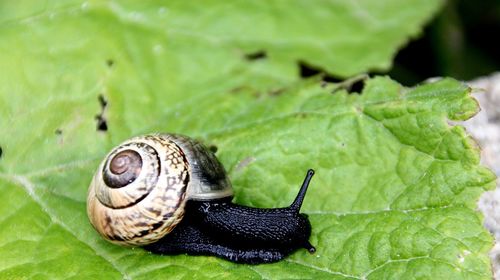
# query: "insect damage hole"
(351, 85)
(1, 152)
(256, 55)
(354, 84)
(102, 123)
(306, 70)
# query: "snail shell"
(139, 191)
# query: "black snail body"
(170, 194)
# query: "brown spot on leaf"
(276, 92)
(241, 89)
(59, 136)
(245, 90)
(301, 115)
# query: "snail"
(170, 195)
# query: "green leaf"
(342, 37)
(396, 185)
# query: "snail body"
(170, 194)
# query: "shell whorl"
(137, 196)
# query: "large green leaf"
(395, 190)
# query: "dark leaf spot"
(1, 152)
(245, 90)
(301, 115)
(102, 101)
(58, 131)
(276, 92)
(110, 62)
(238, 89)
(256, 55)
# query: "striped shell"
(138, 194)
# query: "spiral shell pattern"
(148, 203)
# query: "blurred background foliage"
(461, 42)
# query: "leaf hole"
(307, 70)
(102, 101)
(352, 85)
(357, 87)
(256, 55)
(1, 152)
(102, 123)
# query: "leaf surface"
(396, 185)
